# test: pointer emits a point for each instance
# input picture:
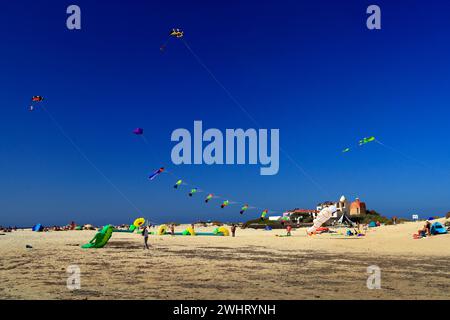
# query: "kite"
(193, 191)
(35, 99)
(179, 182)
(138, 131)
(139, 222)
(361, 143)
(209, 197)
(244, 208)
(366, 140)
(224, 204)
(156, 173)
(176, 33)
(323, 216)
(263, 214)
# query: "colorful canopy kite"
(139, 222)
(224, 204)
(138, 131)
(176, 33)
(178, 183)
(35, 99)
(263, 214)
(243, 209)
(361, 143)
(366, 140)
(193, 191)
(209, 197)
(156, 173)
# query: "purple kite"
(156, 173)
(138, 131)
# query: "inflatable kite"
(209, 197)
(224, 204)
(156, 173)
(178, 183)
(243, 209)
(366, 140)
(35, 99)
(323, 216)
(138, 131)
(263, 214)
(193, 191)
(177, 33)
(346, 150)
(139, 222)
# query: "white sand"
(254, 265)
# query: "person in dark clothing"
(233, 230)
(145, 234)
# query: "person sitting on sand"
(425, 231)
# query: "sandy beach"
(254, 265)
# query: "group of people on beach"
(145, 232)
(7, 229)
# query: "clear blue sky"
(310, 68)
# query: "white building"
(342, 208)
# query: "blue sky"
(310, 68)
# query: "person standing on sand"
(145, 234)
(233, 230)
(172, 229)
(288, 230)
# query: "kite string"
(80, 151)
(411, 158)
(200, 190)
(403, 154)
(244, 110)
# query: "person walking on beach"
(145, 234)
(233, 230)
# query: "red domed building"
(357, 208)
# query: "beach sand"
(254, 265)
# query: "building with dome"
(357, 208)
